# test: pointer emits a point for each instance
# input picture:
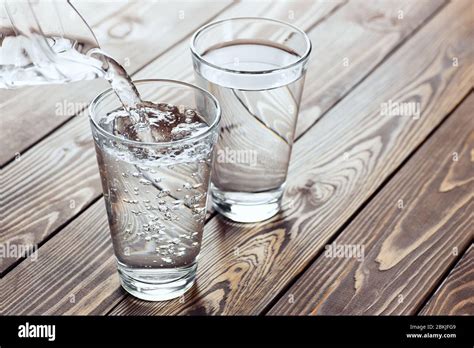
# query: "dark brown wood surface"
(455, 295)
(244, 267)
(346, 168)
(75, 167)
(71, 179)
(411, 234)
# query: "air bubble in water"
(145, 182)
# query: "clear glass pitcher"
(45, 42)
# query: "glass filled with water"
(155, 168)
(255, 67)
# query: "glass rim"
(301, 59)
(198, 136)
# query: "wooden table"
(399, 189)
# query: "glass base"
(152, 284)
(245, 206)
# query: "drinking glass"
(255, 67)
(156, 192)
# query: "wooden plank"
(351, 45)
(76, 153)
(77, 169)
(364, 33)
(32, 112)
(59, 175)
(69, 150)
(243, 267)
(65, 263)
(85, 286)
(408, 235)
(456, 295)
(95, 11)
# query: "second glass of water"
(255, 67)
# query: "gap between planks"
(282, 293)
(376, 66)
(184, 39)
(436, 125)
(140, 68)
(53, 130)
(457, 262)
(458, 114)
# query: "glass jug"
(45, 42)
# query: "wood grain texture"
(95, 11)
(57, 280)
(337, 165)
(409, 233)
(75, 185)
(74, 165)
(256, 243)
(72, 147)
(361, 36)
(132, 35)
(58, 177)
(456, 295)
(363, 32)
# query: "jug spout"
(45, 42)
